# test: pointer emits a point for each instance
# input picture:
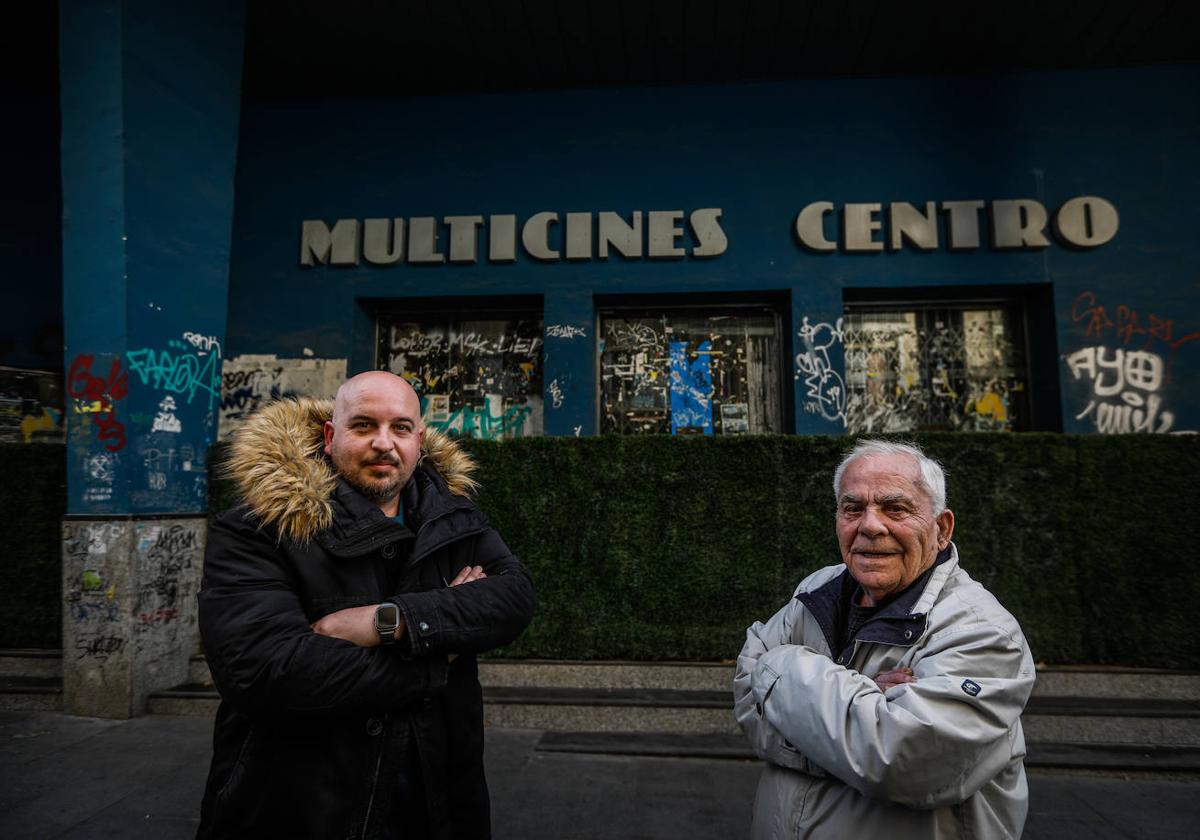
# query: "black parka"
(313, 733)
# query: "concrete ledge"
(657, 697)
(30, 662)
(31, 694)
(1099, 681)
(545, 673)
(642, 719)
(1058, 681)
(1100, 729)
(1056, 755)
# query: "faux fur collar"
(277, 460)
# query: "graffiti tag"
(826, 389)
(481, 423)
(565, 331)
(179, 373)
(103, 394)
(1132, 377)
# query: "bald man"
(342, 606)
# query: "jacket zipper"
(417, 558)
(375, 778)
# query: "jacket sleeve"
(926, 744)
(472, 617)
(766, 741)
(264, 656)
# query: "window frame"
(653, 305)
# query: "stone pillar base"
(129, 611)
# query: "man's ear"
(945, 524)
(328, 436)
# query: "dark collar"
(433, 516)
(894, 624)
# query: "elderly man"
(886, 696)
(341, 609)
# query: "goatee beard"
(377, 491)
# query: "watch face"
(387, 618)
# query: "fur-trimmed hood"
(278, 463)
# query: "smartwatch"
(387, 619)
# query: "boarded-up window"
(477, 375)
(935, 367)
(709, 370)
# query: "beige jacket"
(938, 758)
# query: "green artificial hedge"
(33, 499)
(667, 548)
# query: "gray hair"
(933, 477)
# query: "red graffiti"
(1128, 324)
(162, 615)
(102, 395)
(1085, 307)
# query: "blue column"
(569, 374)
(150, 97)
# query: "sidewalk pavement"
(72, 777)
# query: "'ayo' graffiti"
(1130, 378)
(99, 397)
(1127, 385)
(826, 393)
(179, 370)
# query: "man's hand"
(890, 679)
(468, 574)
(357, 624)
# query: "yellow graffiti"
(112, 592)
(31, 424)
(990, 405)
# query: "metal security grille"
(477, 376)
(690, 371)
(943, 367)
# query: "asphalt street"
(72, 777)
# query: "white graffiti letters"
(1138, 368)
(565, 331)
(826, 388)
(203, 343)
(1123, 374)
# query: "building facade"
(877, 255)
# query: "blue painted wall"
(150, 105)
(761, 153)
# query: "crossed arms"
(923, 743)
(269, 656)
